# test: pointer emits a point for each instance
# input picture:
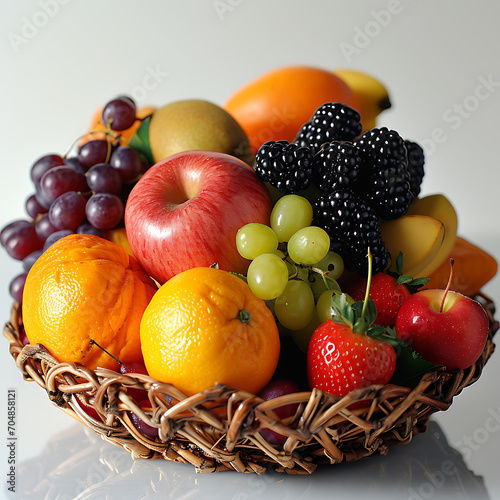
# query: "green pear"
(196, 125)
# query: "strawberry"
(388, 291)
(343, 352)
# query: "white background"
(60, 60)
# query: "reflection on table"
(78, 464)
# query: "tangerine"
(205, 327)
(85, 288)
(275, 105)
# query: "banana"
(372, 96)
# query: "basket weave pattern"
(218, 429)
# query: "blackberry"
(287, 167)
(336, 166)
(416, 162)
(333, 121)
(385, 176)
(353, 227)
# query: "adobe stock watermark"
(439, 478)
(11, 440)
(363, 35)
(153, 78)
(224, 7)
(454, 116)
(469, 444)
(31, 26)
(436, 479)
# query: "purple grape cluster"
(84, 193)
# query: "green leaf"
(343, 312)
(399, 263)
(377, 332)
(359, 326)
(403, 280)
(410, 366)
(357, 307)
(387, 335)
(140, 140)
(370, 311)
(419, 282)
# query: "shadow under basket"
(219, 429)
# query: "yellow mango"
(418, 237)
(439, 207)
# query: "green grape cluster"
(292, 266)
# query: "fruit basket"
(219, 429)
(252, 303)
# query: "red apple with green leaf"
(186, 210)
(444, 327)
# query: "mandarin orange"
(205, 327)
(275, 105)
(85, 288)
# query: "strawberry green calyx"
(361, 315)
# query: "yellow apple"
(418, 237)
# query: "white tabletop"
(60, 60)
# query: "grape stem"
(108, 133)
(295, 266)
(324, 276)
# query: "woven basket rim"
(219, 429)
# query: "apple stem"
(244, 316)
(368, 281)
(447, 289)
(92, 341)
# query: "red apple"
(186, 210)
(453, 334)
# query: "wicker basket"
(219, 429)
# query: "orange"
(205, 327)
(96, 125)
(84, 287)
(472, 269)
(275, 105)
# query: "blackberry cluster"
(385, 178)
(416, 162)
(362, 179)
(353, 227)
(337, 165)
(287, 167)
(332, 121)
